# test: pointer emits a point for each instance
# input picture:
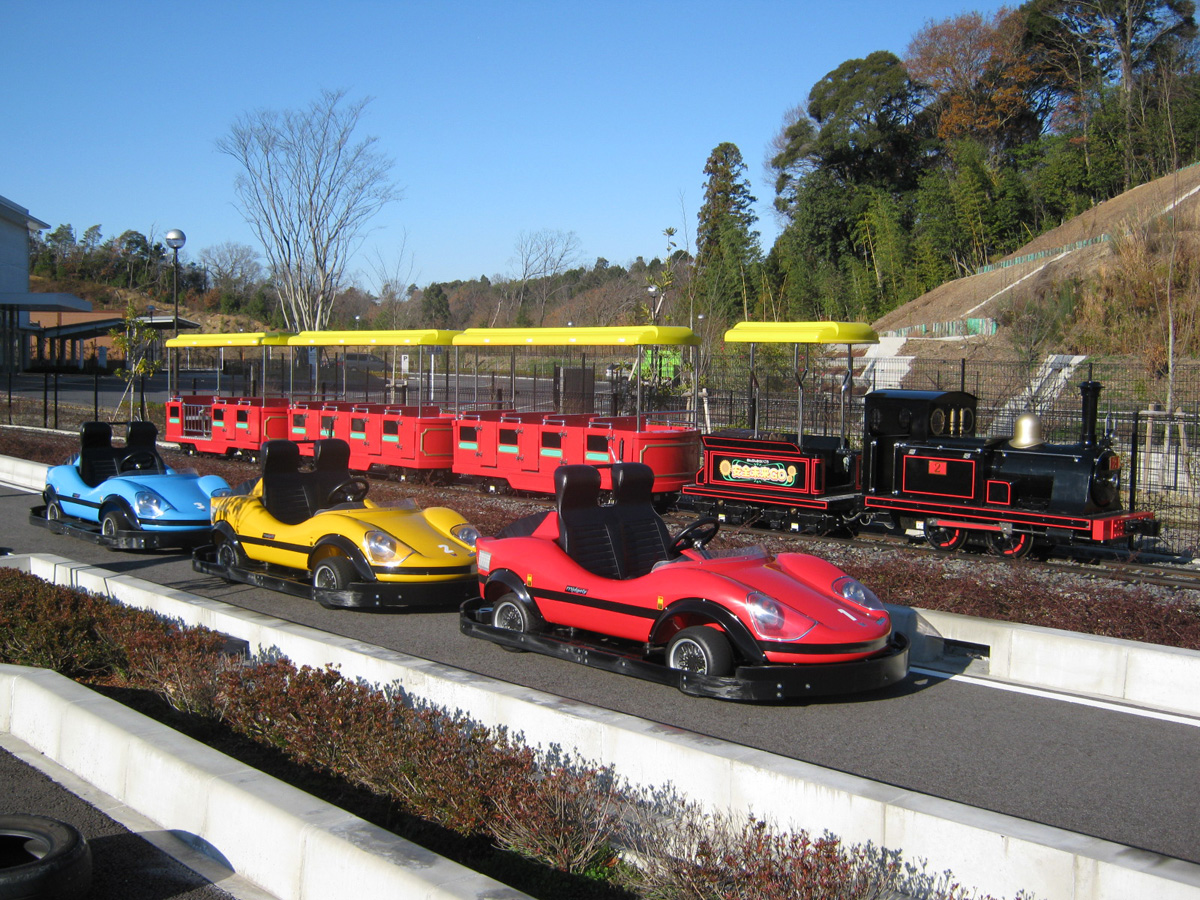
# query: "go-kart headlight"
(856, 592)
(775, 621)
(222, 492)
(383, 549)
(468, 534)
(148, 505)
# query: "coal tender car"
(607, 586)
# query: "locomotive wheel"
(945, 540)
(1011, 546)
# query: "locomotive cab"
(895, 417)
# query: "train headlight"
(775, 621)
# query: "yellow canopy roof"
(240, 339)
(598, 336)
(802, 333)
(424, 336)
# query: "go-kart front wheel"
(700, 650)
(114, 521)
(230, 555)
(511, 614)
(333, 573)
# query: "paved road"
(1097, 771)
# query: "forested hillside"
(890, 178)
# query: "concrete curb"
(997, 853)
(279, 838)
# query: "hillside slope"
(969, 306)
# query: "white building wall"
(14, 248)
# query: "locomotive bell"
(1027, 432)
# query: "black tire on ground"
(334, 573)
(42, 859)
(701, 650)
(511, 614)
(230, 555)
(114, 520)
(54, 510)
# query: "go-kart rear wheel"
(700, 650)
(334, 573)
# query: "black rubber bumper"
(749, 683)
(361, 595)
(126, 539)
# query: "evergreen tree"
(727, 249)
(435, 307)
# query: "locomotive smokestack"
(1090, 390)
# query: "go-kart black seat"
(142, 437)
(586, 530)
(97, 459)
(644, 536)
(332, 467)
(285, 489)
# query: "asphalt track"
(1098, 771)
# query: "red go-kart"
(608, 586)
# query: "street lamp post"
(175, 240)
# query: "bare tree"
(391, 280)
(232, 267)
(542, 257)
(308, 191)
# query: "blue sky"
(502, 118)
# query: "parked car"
(126, 497)
(314, 533)
(364, 364)
(607, 586)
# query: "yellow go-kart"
(314, 534)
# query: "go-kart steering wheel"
(351, 490)
(696, 535)
(138, 459)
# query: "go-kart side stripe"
(379, 570)
(596, 603)
(766, 646)
(175, 523)
(159, 521)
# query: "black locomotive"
(922, 469)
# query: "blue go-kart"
(126, 498)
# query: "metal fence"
(1160, 445)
